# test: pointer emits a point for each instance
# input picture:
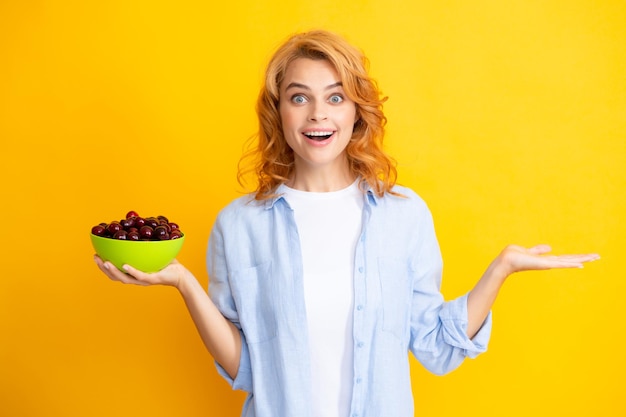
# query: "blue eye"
(299, 99)
(336, 99)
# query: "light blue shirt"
(255, 268)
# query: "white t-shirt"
(329, 225)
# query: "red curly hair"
(273, 159)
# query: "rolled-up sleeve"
(243, 380)
(453, 316)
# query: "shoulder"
(407, 192)
(240, 209)
(404, 206)
(404, 197)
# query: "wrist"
(499, 269)
(185, 282)
(510, 260)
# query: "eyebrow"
(305, 87)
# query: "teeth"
(318, 133)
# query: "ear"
(357, 116)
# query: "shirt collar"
(279, 195)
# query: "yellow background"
(508, 117)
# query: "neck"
(321, 181)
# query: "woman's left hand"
(516, 258)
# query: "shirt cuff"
(243, 380)
(454, 319)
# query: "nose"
(318, 112)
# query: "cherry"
(166, 225)
(128, 222)
(161, 232)
(146, 232)
(120, 234)
(139, 222)
(99, 230)
(152, 222)
(131, 214)
(114, 227)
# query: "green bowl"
(147, 256)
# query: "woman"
(324, 278)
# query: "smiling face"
(317, 119)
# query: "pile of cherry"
(135, 227)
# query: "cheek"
(287, 120)
(351, 114)
(349, 119)
(288, 127)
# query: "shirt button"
(361, 269)
(359, 307)
(360, 344)
(358, 380)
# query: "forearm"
(483, 296)
(220, 336)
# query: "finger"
(587, 257)
(115, 274)
(137, 274)
(146, 278)
(104, 267)
(569, 261)
(122, 276)
(564, 265)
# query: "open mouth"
(319, 136)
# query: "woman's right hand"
(172, 275)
